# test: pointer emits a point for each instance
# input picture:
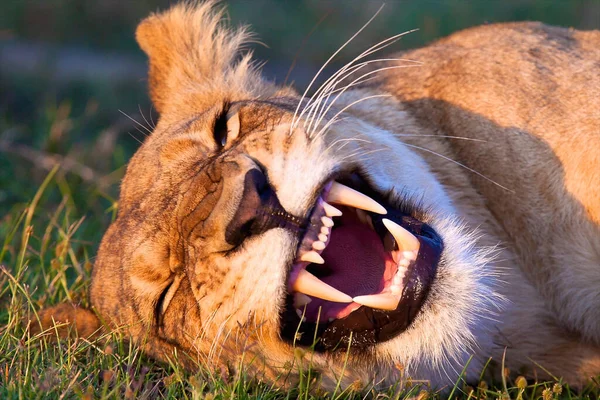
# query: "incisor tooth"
(331, 211)
(309, 284)
(325, 230)
(342, 194)
(318, 245)
(328, 222)
(382, 301)
(312, 257)
(322, 237)
(406, 240)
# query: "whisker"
(346, 140)
(348, 106)
(337, 90)
(134, 120)
(151, 118)
(442, 136)
(366, 53)
(332, 80)
(369, 152)
(147, 123)
(314, 105)
(327, 93)
(327, 63)
(459, 164)
(362, 153)
(323, 18)
(322, 115)
(371, 50)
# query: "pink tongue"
(355, 260)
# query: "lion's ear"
(190, 49)
(152, 41)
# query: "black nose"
(258, 211)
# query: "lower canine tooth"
(299, 314)
(300, 300)
(312, 257)
(389, 244)
(381, 301)
(309, 284)
(406, 240)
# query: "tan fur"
(65, 319)
(522, 244)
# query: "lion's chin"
(363, 269)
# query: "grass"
(48, 243)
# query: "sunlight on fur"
(407, 220)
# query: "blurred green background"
(72, 78)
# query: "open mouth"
(362, 273)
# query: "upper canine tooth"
(384, 301)
(309, 284)
(312, 257)
(342, 194)
(331, 211)
(406, 240)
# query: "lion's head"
(254, 221)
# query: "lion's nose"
(257, 194)
(258, 211)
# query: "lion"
(411, 219)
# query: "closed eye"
(220, 129)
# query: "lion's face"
(297, 224)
